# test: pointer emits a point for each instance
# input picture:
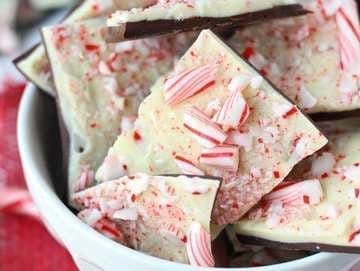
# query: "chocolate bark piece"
(147, 28)
(167, 217)
(328, 116)
(215, 115)
(34, 64)
(99, 88)
(329, 225)
(314, 59)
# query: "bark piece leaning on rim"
(165, 216)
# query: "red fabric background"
(24, 243)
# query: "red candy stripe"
(349, 34)
(188, 83)
(305, 192)
(198, 247)
(226, 157)
(234, 112)
(187, 167)
(203, 129)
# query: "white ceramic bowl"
(90, 250)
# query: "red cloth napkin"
(25, 244)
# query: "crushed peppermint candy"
(203, 129)
(186, 84)
(225, 157)
(187, 167)
(234, 111)
(323, 164)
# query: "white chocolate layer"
(178, 10)
(336, 218)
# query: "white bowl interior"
(39, 145)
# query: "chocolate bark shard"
(99, 88)
(141, 29)
(333, 223)
(34, 64)
(157, 214)
(175, 135)
(314, 59)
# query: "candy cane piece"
(226, 157)
(349, 34)
(305, 192)
(203, 129)
(187, 167)
(198, 247)
(186, 84)
(234, 111)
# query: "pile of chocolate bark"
(210, 132)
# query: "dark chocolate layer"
(316, 247)
(143, 29)
(335, 115)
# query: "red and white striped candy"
(17, 201)
(306, 192)
(198, 247)
(186, 84)
(234, 111)
(349, 34)
(226, 157)
(173, 229)
(109, 229)
(354, 238)
(85, 180)
(203, 129)
(187, 167)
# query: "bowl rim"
(42, 192)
